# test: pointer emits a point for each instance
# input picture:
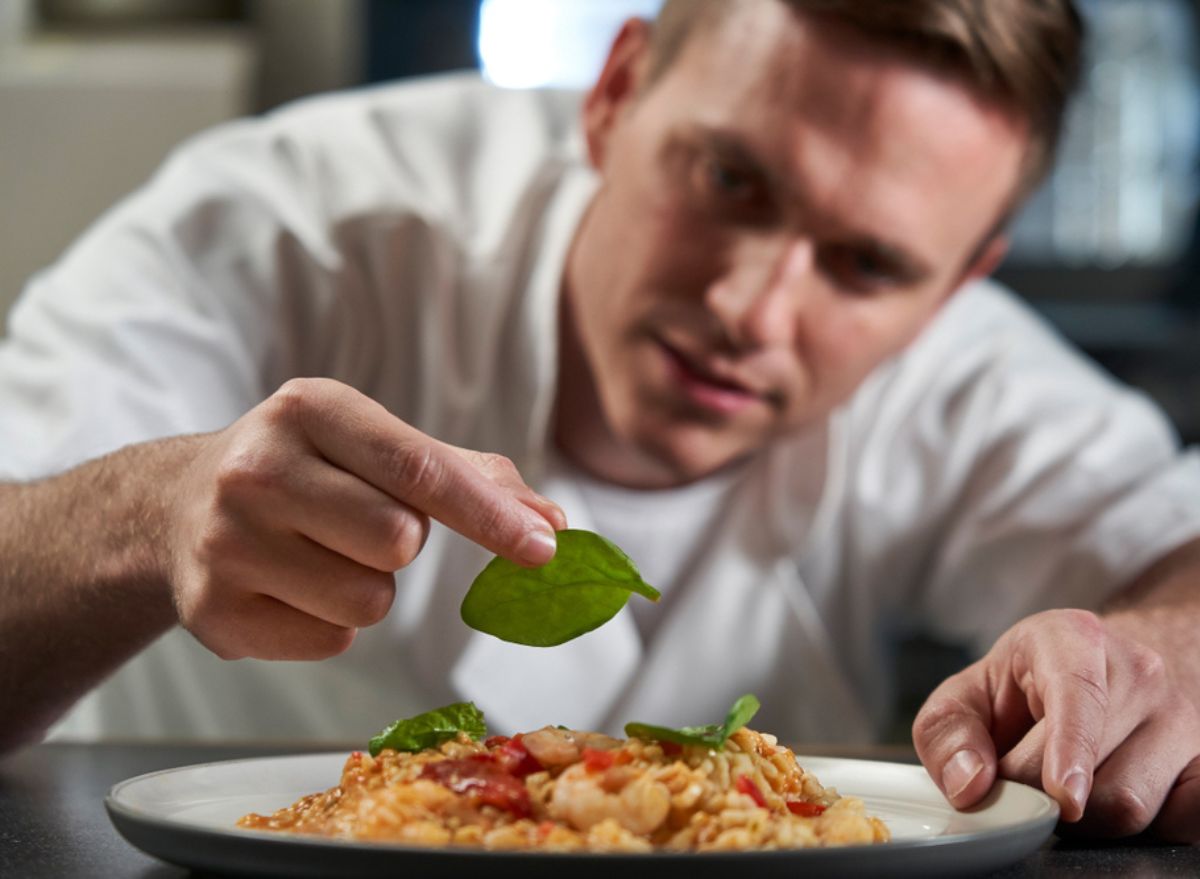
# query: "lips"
(709, 374)
(707, 387)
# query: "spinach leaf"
(582, 587)
(430, 729)
(713, 735)
(744, 708)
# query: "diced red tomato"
(672, 749)
(513, 757)
(746, 785)
(597, 760)
(484, 782)
(805, 810)
(504, 796)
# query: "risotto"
(557, 789)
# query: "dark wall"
(412, 37)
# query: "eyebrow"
(909, 266)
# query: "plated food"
(436, 780)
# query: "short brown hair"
(1024, 54)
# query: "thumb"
(951, 736)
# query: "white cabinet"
(86, 119)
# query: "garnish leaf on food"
(712, 736)
(430, 729)
(581, 588)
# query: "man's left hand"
(1064, 703)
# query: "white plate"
(187, 816)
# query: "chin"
(682, 456)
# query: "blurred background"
(93, 94)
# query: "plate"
(187, 815)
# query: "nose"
(757, 299)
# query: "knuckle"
(408, 533)
(382, 598)
(937, 716)
(330, 641)
(1080, 623)
(294, 396)
(1148, 666)
(413, 465)
(1085, 683)
(247, 468)
(1088, 622)
(500, 464)
(374, 599)
(928, 722)
(1121, 811)
(297, 399)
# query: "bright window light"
(530, 43)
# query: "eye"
(859, 268)
(729, 190)
(728, 180)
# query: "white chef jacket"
(409, 241)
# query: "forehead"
(854, 127)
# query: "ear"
(985, 261)
(617, 87)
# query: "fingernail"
(1076, 785)
(537, 548)
(959, 771)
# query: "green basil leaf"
(710, 736)
(713, 735)
(581, 588)
(430, 729)
(744, 708)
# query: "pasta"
(563, 790)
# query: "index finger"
(358, 435)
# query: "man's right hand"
(288, 525)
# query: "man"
(734, 345)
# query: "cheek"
(851, 339)
(682, 255)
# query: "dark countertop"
(53, 823)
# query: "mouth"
(701, 384)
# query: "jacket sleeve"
(156, 322)
(997, 473)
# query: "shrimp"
(580, 799)
(554, 747)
